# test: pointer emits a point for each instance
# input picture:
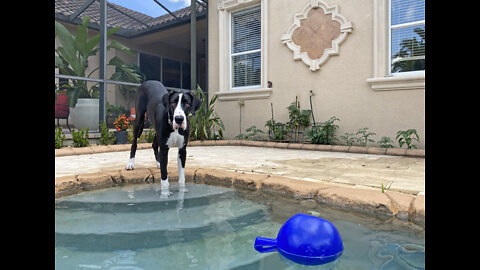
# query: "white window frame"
(399, 26)
(245, 52)
(225, 91)
(382, 79)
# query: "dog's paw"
(158, 164)
(165, 193)
(130, 164)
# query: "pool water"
(211, 227)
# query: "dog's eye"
(174, 104)
(187, 105)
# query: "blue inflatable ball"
(304, 239)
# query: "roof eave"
(131, 33)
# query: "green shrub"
(323, 133)
(385, 142)
(363, 140)
(150, 135)
(252, 133)
(277, 131)
(106, 137)
(205, 124)
(59, 138)
(80, 138)
(297, 117)
(349, 138)
(405, 137)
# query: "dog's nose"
(179, 119)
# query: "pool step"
(134, 206)
(108, 241)
(101, 217)
(141, 193)
(93, 226)
(221, 247)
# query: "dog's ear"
(166, 98)
(196, 102)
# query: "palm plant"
(205, 124)
(73, 54)
(126, 73)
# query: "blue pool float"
(304, 239)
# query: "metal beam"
(84, 6)
(193, 45)
(164, 7)
(201, 4)
(103, 60)
(61, 76)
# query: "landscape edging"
(419, 153)
(399, 205)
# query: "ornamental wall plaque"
(316, 33)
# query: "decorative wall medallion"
(316, 33)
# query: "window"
(171, 73)
(407, 36)
(245, 51)
(186, 75)
(242, 65)
(150, 66)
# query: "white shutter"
(245, 48)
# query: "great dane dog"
(168, 113)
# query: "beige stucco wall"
(339, 86)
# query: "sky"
(150, 8)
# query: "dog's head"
(179, 104)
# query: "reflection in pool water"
(210, 227)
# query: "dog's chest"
(175, 139)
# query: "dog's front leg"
(165, 186)
(182, 155)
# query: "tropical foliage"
(72, 57)
(406, 137)
(323, 133)
(205, 124)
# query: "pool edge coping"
(407, 207)
(418, 153)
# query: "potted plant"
(71, 59)
(121, 126)
(113, 112)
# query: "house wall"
(340, 87)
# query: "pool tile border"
(395, 204)
(419, 153)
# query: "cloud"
(186, 3)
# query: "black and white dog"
(167, 112)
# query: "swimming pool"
(211, 227)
